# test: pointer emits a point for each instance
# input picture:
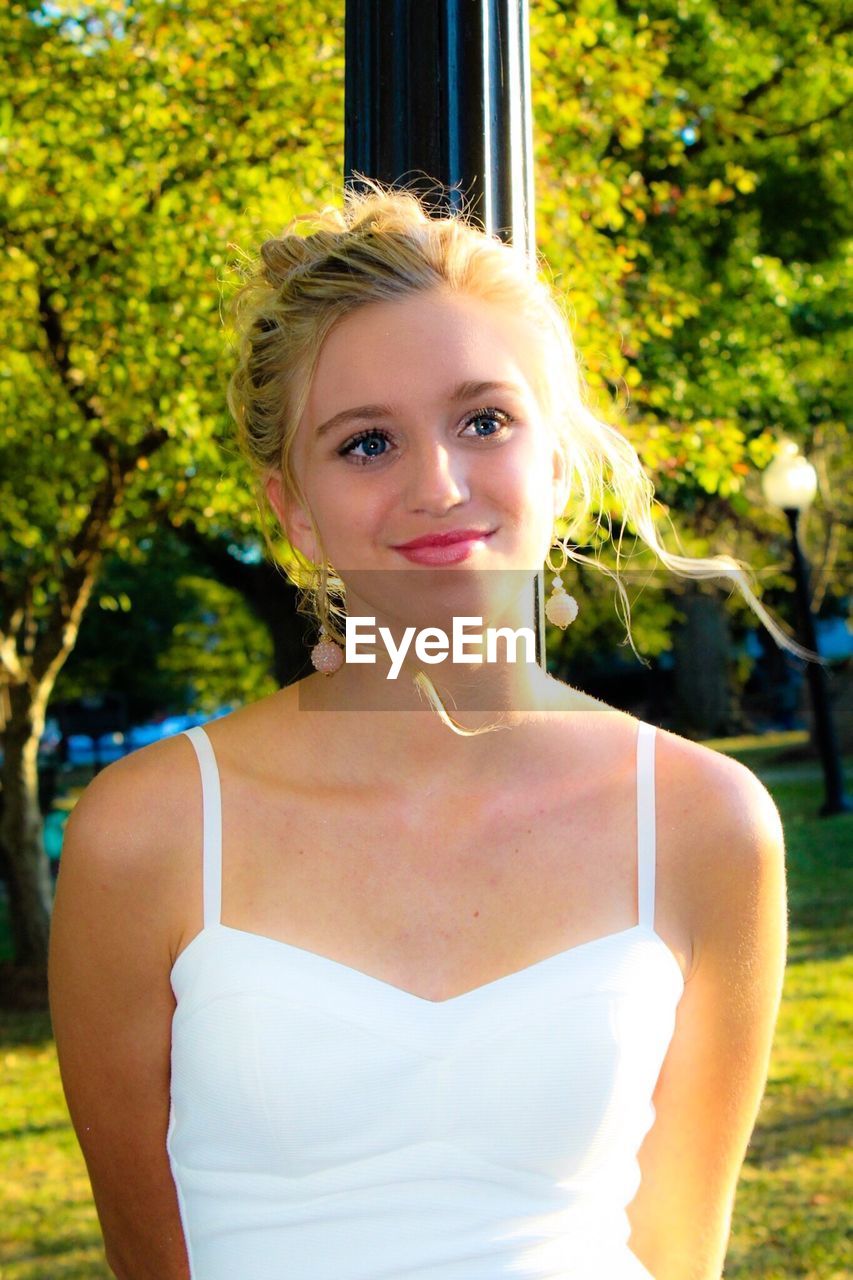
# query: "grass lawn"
(789, 1219)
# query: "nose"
(437, 478)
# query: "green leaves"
(690, 199)
(132, 152)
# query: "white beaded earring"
(327, 655)
(561, 608)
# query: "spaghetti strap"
(211, 826)
(646, 823)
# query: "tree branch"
(85, 552)
(763, 134)
(57, 348)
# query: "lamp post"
(442, 92)
(790, 482)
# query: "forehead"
(419, 347)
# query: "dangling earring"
(327, 656)
(561, 608)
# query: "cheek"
(536, 484)
(536, 497)
(348, 512)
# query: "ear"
(292, 516)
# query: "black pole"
(835, 801)
(441, 91)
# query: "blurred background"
(692, 200)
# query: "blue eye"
(497, 415)
(374, 439)
(346, 450)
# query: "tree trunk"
(21, 827)
(701, 651)
(32, 654)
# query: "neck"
(396, 731)
(403, 744)
(472, 636)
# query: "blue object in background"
(176, 724)
(81, 749)
(53, 829)
(141, 735)
(109, 747)
(834, 638)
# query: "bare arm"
(111, 1006)
(715, 1072)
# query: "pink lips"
(446, 548)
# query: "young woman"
(451, 973)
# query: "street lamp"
(790, 482)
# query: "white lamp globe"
(790, 481)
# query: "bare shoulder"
(719, 839)
(127, 842)
(139, 791)
(728, 831)
(134, 836)
(687, 762)
(718, 800)
(137, 805)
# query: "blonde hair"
(385, 244)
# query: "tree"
(171, 637)
(138, 140)
(691, 184)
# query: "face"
(424, 454)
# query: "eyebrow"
(370, 412)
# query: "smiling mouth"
(444, 539)
(450, 552)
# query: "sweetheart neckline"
(413, 997)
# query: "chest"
(437, 893)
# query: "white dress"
(327, 1125)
